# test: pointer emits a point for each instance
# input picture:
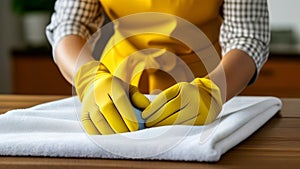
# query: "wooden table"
(275, 145)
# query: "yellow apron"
(152, 60)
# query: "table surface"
(274, 145)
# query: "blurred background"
(26, 65)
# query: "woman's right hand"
(107, 101)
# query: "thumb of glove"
(138, 99)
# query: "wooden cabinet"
(280, 76)
(34, 72)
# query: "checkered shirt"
(245, 25)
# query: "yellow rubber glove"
(195, 103)
(107, 102)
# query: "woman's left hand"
(195, 103)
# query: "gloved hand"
(107, 101)
(195, 103)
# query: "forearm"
(67, 54)
(238, 69)
(71, 23)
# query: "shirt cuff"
(258, 51)
(68, 29)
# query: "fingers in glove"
(138, 99)
(126, 112)
(100, 123)
(87, 107)
(113, 118)
(119, 97)
(187, 112)
(88, 125)
(161, 99)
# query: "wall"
(285, 14)
(10, 36)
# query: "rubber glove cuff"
(86, 76)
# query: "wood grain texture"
(9, 102)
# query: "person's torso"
(142, 26)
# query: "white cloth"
(53, 129)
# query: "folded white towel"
(53, 129)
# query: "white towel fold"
(53, 129)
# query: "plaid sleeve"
(246, 27)
(74, 17)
